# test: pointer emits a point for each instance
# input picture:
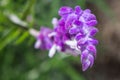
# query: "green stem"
(15, 20)
(27, 9)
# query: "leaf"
(9, 38)
(22, 38)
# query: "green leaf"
(22, 38)
(9, 38)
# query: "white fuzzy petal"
(54, 22)
(72, 43)
(52, 34)
(52, 51)
(37, 44)
(34, 32)
(17, 20)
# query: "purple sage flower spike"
(73, 33)
(79, 24)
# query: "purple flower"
(44, 40)
(80, 26)
(73, 33)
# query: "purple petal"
(43, 41)
(87, 60)
(61, 22)
(88, 16)
(70, 20)
(78, 10)
(92, 49)
(91, 17)
(92, 23)
(93, 41)
(93, 31)
(91, 59)
(84, 55)
(79, 36)
(48, 43)
(78, 23)
(65, 10)
(61, 26)
(82, 42)
(85, 65)
(73, 30)
(87, 11)
(66, 37)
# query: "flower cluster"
(73, 33)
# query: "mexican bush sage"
(73, 33)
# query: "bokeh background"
(20, 61)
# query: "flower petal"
(52, 51)
(91, 23)
(37, 44)
(65, 10)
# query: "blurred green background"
(18, 58)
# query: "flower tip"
(52, 51)
(54, 22)
(92, 23)
(37, 44)
(64, 10)
(85, 65)
(87, 10)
